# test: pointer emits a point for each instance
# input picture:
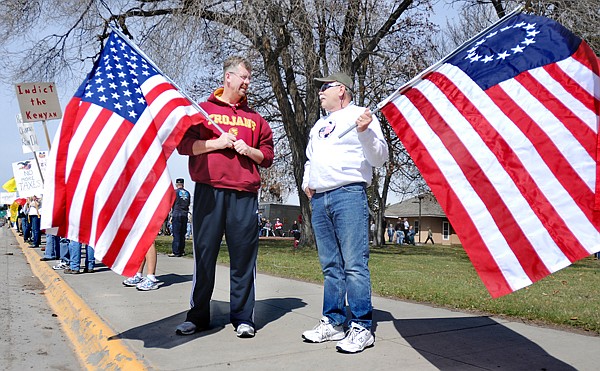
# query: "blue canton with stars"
(518, 44)
(114, 83)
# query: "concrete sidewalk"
(138, 329)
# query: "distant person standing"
(411, 235)
(429, 236)
(179, 218)
(406, 231)
(75, 258)
(25, 222)
(390, 233)
(400, 232)
(34, 214)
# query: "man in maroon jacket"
(225, 169)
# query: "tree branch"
(380, 34)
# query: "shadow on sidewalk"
(161, 333)
(172, 279)
(473, 341)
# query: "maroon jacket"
(225, 168)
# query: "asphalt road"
(32, 338)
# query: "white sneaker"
(60, 265)
(245, 331)
(357, 339)
(324, 331)
(146, 284)
(132, 281)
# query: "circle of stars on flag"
(530, 34)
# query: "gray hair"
(232, 62)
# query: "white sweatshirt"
(334, 162)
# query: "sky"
(10, 140)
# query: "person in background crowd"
(26, 227)
(34, 214)
(188, 232)
(75, 259)
(65, 255)
(405, 229)
(390, 233)
(18, 222)
(411, 235)
(278, 228)
(179, 218)
(295, 232)
(164, 229)
(429, 236)
(52, 251)
(336, 175)
(266, 229)
(225, 167)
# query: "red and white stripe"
(514, 167)
(111, 187)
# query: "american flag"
(505, 132)
(108, 184)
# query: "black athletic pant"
(218, 211)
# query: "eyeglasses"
(328, 85)
(243, 78)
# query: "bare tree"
(580, 16)
(291, 42)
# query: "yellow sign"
(10, 185)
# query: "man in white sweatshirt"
(336, 175)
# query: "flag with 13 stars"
(505, 132)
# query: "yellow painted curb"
(84, 328)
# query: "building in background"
(286, 213)
(426, 209)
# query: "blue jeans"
(90, 260)
(52, 247)
(26, 228)
(179, 230)
(75, 252)
(35, 230)
(65, 255)
(340, 220)
(399, 237)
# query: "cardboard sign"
(28, 136)
(7, 198)
(38, 101)
(28, 178)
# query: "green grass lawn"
(444, 276)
